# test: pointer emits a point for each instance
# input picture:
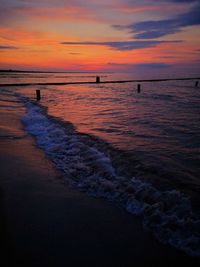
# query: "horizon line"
(43, 71)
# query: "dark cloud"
(123, 46)
(180, 1)
(5, 47)
(144, 2)
(72, 53)
(149, 65)
(166, 57)
(158, 28)
(153, 65)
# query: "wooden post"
(38, 95)
(197, 83)
(97, 79)
(138, 88)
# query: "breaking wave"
(89, 167)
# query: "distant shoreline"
(38, 71)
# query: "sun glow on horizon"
(98, 36)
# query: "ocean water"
(140, 150)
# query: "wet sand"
(47, 223)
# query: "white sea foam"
(167, 214)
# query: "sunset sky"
(99, 34)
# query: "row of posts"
(38, 95)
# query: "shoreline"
(47, 223)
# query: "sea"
(138, 149)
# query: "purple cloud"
(146, 66)
(153, 65)
(5, 47)
(167, 57)
(180, 1)
(158, 28)
(123, 46)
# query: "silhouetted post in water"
(138, 88)
(197, 83)
(97, 79)
(38, 94)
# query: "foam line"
(167, 214)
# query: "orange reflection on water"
(105, 111)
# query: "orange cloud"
(68, 13)
(23, 37)
(86, 58)
(37, 32)
(172, 8)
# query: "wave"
(88, 165)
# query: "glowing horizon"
(91, 36)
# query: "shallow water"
(160, 126)
(146, 155)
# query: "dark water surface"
(153, 135)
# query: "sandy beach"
(47, 223)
